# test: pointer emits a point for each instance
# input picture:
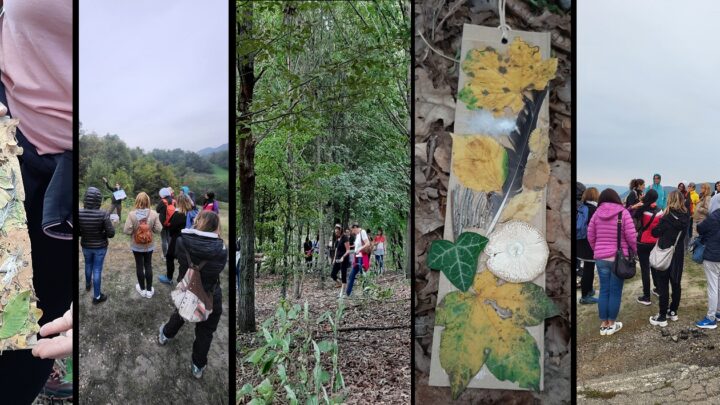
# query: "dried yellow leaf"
(479, 162)
(539, 142)
(537, 173)
(523, 207)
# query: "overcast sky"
(648, 91)
(155, 72)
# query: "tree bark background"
(436, 79)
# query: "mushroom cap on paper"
(517, 252)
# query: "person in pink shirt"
(36, 67)
(603, 239)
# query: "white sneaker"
(141, 292)
(149, 293)
(614, 328)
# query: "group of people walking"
(656, 227)
(352, 249)
(189, 234)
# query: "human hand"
(60, 346)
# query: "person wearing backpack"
(648, 216)
(207, 253)
(210, 203)
(588, 205)
(671, 230)
(165, 210)
(176, 223)
(95, 229)
(709, 231)
(362, 246)
(603, 238)
(141, 223)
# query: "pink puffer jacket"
(602, 231)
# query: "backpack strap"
(619, 228)
(644, 228)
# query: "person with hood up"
(661, 201)
(648, 216)
(603, 238)
(202, 244)
(709, 231)
(141, 223)
(95, 229)
(167, 203)
(674, 221)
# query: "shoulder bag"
(624, 267)
(660, 258)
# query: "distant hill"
(210, 151)
(622, 190)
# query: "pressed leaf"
(15, 314)
(477, 334)
(479, 162)
(458, 261)
(523, 207)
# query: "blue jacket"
(662, 198)
(709, 231)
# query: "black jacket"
(709, 231)
(112, 196)
(202, 246)
(95, 226)
(667, 231)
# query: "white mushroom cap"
(517, 252)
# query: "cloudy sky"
(155, 72)
(648, 91)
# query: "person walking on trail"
(661, 201)
(308, 251)
(341, 259)
(379, 244)
(671, 230)
(603, 238)
(649, 216)
(95, 229)
(586, 210)
(115, 203)
(702, 208)
(362, 246)
(210, 203)
(165, 210)
(709, 232)
(141, 224)
(201, 246)
(176, 224)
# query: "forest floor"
(375, 363)
(641, 354)
(120, 358)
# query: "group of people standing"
(648, 218)
(352, 247)
(189, 234)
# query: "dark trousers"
(588, 276)
(170, 258)
(339, 268)
(203, 330)
(116, 207)
(143, 269)
(645, 270)
(665, 283)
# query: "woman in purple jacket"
(602, 235)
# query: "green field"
(220, 173)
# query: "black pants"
(342, 269)
(170, 258)
(116, 206)
(645, 271)
(588, 276)
(203, 330)
(143, 269)
(664, 284)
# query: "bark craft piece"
(489, 334)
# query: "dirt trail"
(120, 358)
(375, 363)
(639, 346)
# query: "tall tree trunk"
(246, 176)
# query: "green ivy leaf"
(458, 261)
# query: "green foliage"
(371, 289)
(458, 261)
(293, 365)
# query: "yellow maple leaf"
(479, 162)
(497, 82)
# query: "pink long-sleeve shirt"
(602, 231)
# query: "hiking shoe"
(706, 323)
(614, 328)
(717, 315)
(655, 292)
(149, 293)
(161, 337)
(672, 315)
(589, 299)
(644, 300)
(139, 290)
(165, 280)
(57, 388)
(101, 298)
(655, 320)
(197, 372)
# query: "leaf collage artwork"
(497, 200)
(19, 314)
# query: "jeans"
(203, 330)
(645, 269)
(611, 287)
(94, 259)
(588, 276)
(712, 273)
(357, 268)
(143, 269)
(380, 260)
(165, 241)
(665, 282)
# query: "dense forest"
(137, 170)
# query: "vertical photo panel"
(153, 202)
(323, 138)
